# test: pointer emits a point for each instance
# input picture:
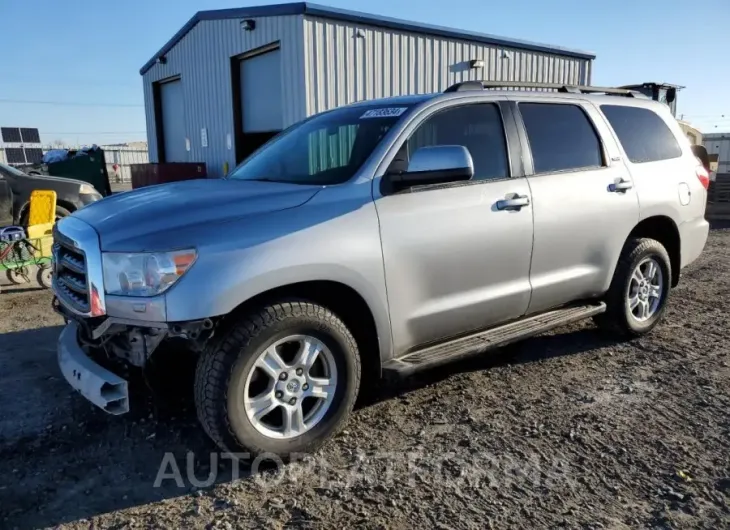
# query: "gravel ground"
(571, 429)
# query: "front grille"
(71, 280)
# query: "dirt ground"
(572, 429)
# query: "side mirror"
(438, 164)
(701, 152)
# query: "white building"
(232, 78)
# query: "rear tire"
(638, 295)
(16, 277)
(228, 370)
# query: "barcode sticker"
(387, 112)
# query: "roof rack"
(578, 89)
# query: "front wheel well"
(66, 205)
(664, 230)
(25, 210)
(346, 303)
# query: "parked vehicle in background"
(16, 187)
(379, 238)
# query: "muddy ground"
(571, 429)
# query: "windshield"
(326, 149)
(11, 170)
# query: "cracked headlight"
(144, 273)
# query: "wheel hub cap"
(646, 289)
(291, 387)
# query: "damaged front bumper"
(103, 388)
(123, 342)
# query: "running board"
(477, 343)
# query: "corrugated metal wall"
(325, 64)
(347, 62)
(202, 59)
(719, 144)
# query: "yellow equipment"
(41, 220)
(34, 249)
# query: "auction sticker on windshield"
(387, 112)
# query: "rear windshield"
(642, 133)
(326, 149)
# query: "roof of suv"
(598, 98)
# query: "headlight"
(146, 273)
(87, 189)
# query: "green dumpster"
(88, 166)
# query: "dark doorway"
(169, 107)
(257, 98)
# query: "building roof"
(307, 8)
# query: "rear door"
(582, 217)
(664, 175)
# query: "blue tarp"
(59, 155)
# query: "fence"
(122, 157)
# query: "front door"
(454, 262)
(582, 218)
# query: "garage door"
(261, 93)
(173, 121)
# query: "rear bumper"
(693, 237)
(104, 389)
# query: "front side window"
(642, 133)
(477, 127)
(325, 149)
(561, 137)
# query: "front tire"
(44, 276)
(62, 212)
(280, 380)
(638, 295)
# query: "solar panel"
(30, 136)
(15, 155)
(33, 155)
(10, 134)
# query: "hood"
(51, 178)
(60, 180)
(126, 220)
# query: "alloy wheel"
(291, 387)
(646, 289)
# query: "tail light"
(702, 174)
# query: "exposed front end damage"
(95, 354)
(134, 341)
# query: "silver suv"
(380, 238)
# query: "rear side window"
(561, 137)
(642, 133)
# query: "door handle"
(621, 184)
(515, 203)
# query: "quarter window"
(561, 137)
(477, 127)
(642, 133)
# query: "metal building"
(719, 144)
(231, 78)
